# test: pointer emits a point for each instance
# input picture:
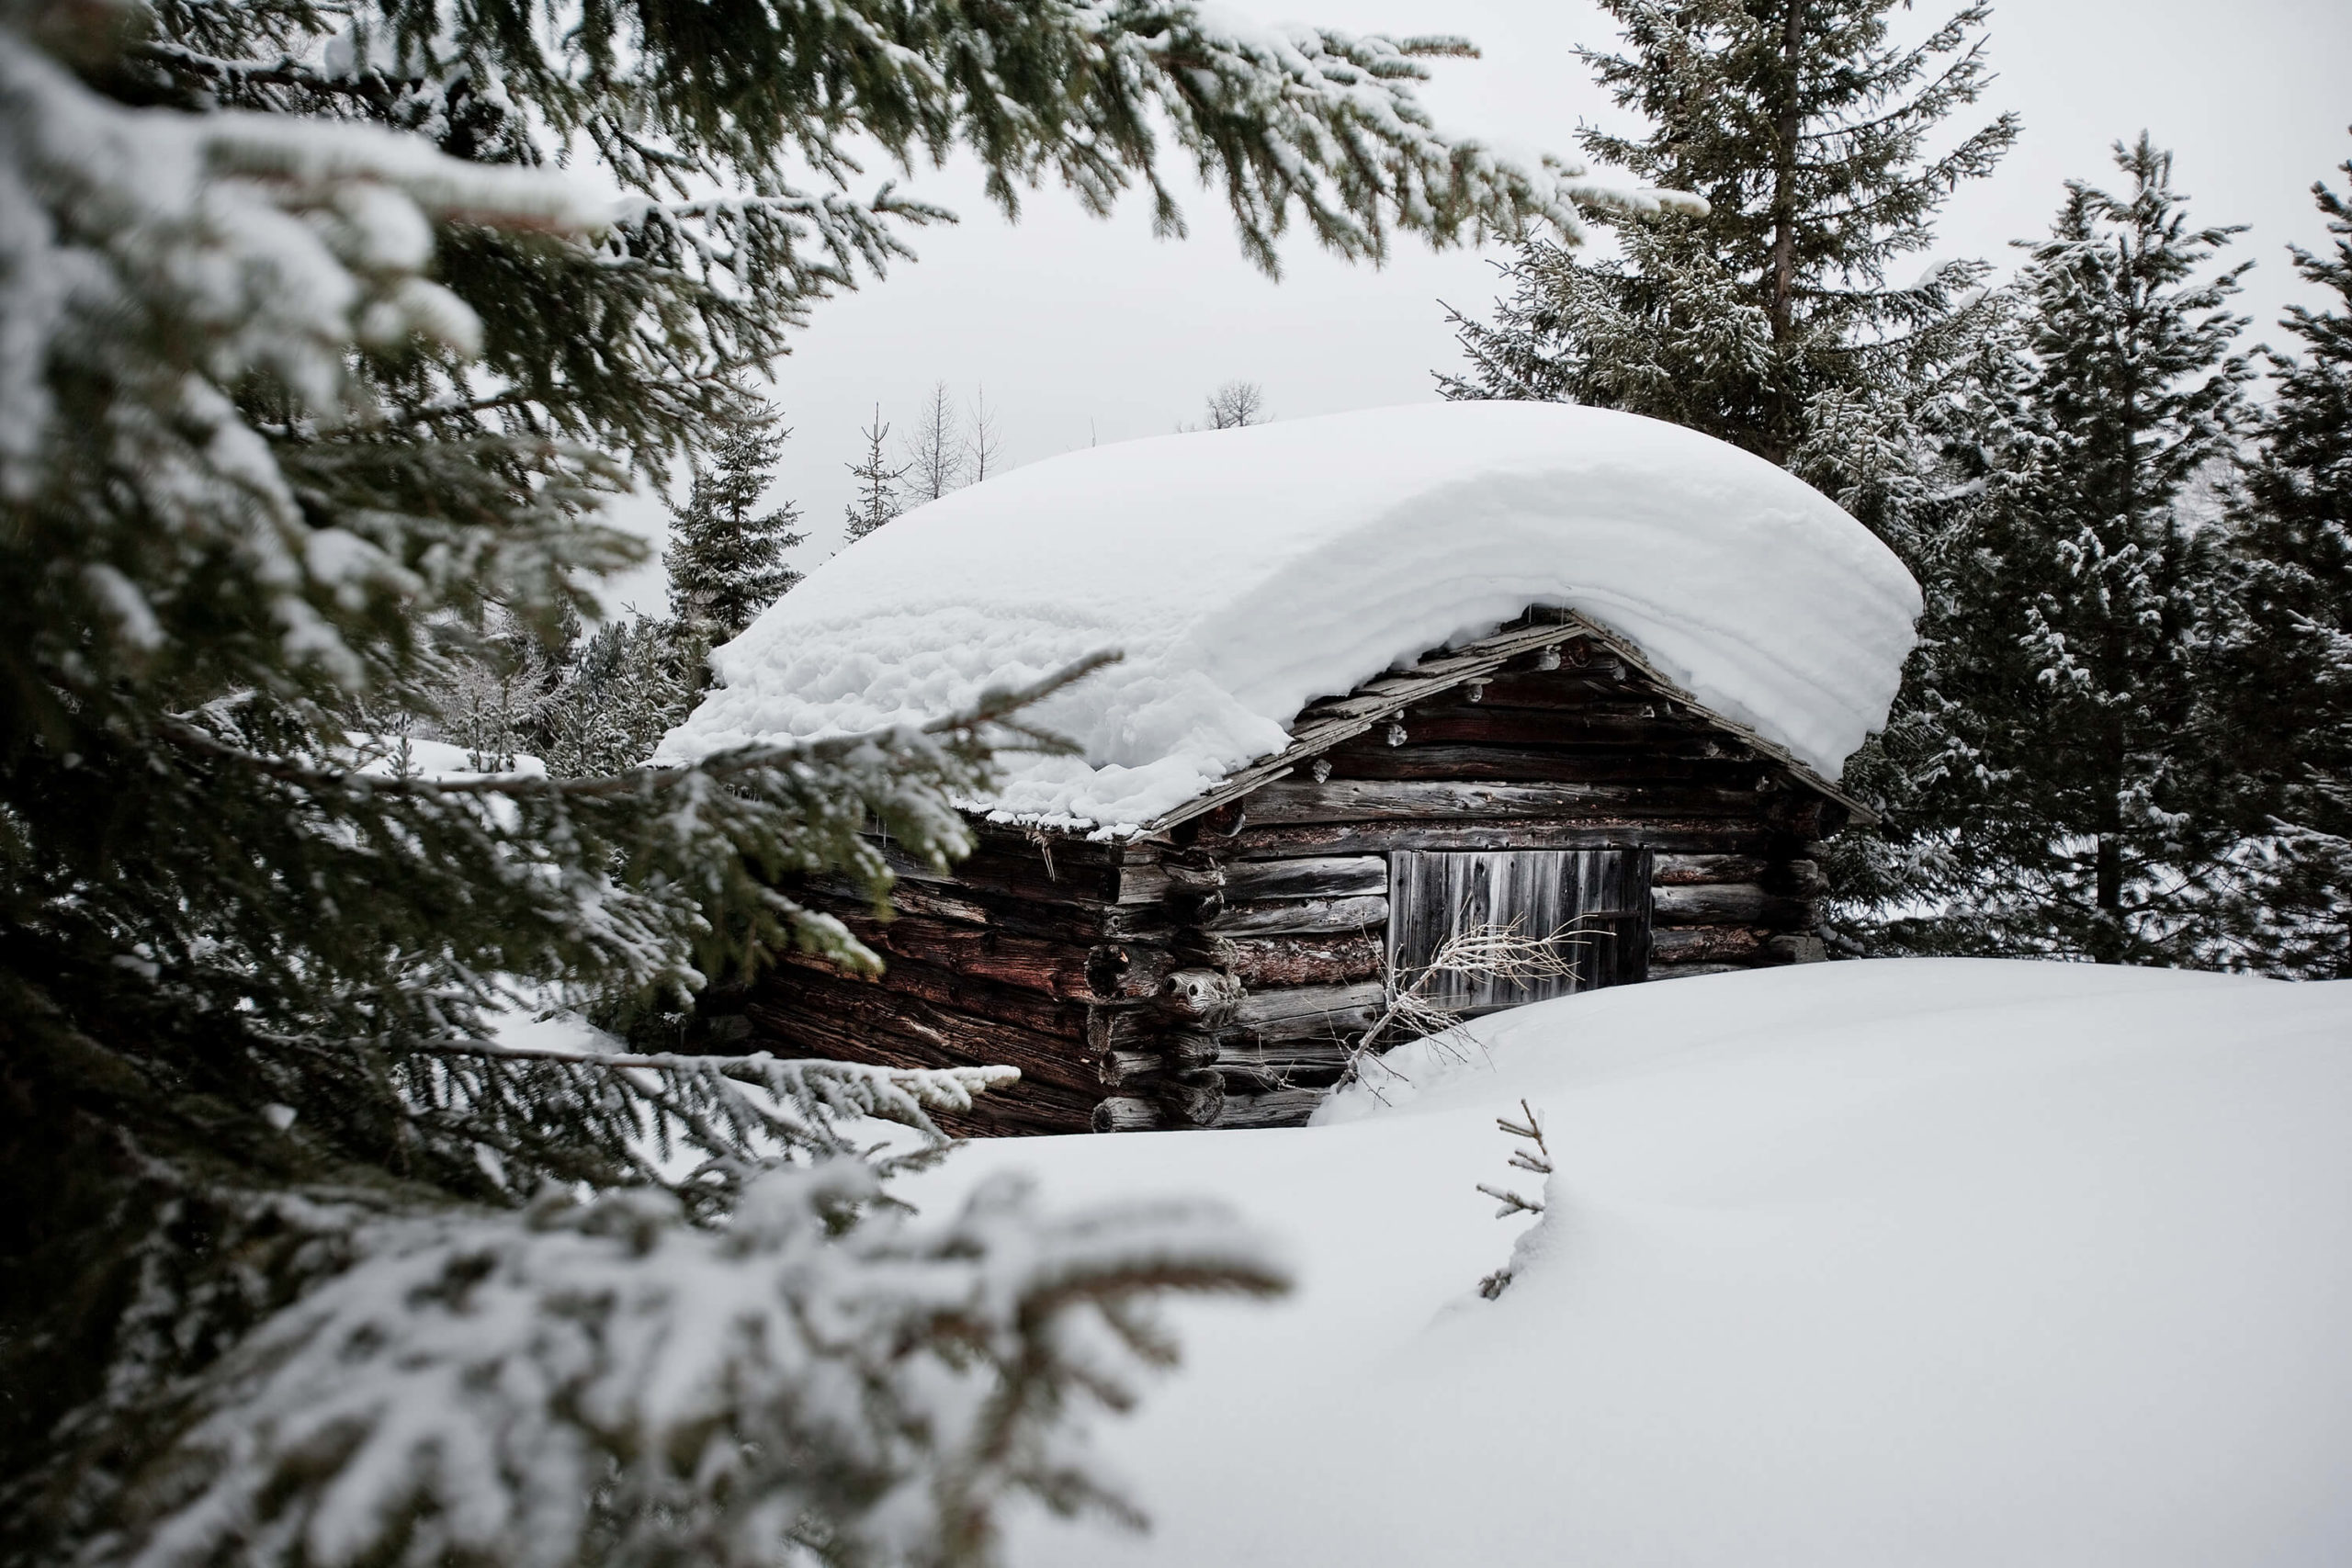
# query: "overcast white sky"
(1088, 331)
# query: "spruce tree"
(2290, 654)
(1769, 321)
(726, 557)
(2065, 776)
(303, 1263)
(877, 499)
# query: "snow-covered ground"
(1913, 1262)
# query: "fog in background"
(1085, 330)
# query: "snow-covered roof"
(1245, 572)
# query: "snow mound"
(1246, 572)
(1928, 1262)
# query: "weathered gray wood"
(1360, 800)
(1323, 876)
(1301, 915)
(1685, 971)
(1596, 901)
(1662, 759)
(1680, 834)
(1277, 1108)
(1802, 878)
(1127, 1113)
(1796, 947)
(1203, 995)
(1127, 1027)
(1257, 1010)
(1730, 904)
(1344, 1024)
(1191, 1098)
(1143, 885)
(1259, 1065)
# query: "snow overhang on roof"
(1244, 573)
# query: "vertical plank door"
(1594, 903)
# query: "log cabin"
(1572, 673)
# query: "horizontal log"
(1069, 970)
(1259, 1009)
(1023, 872)
(1730, 904)
(1565, 687)
(1016, 1005)
(1365, 912)
(1661, 762)
(1178, 1051)
(1643, 724)
(1319, 960)
(1675, 834)
(1707, 945)
(1685, 971)
(1127, 1113)
(1126, 1027)
(897, 1017)
(1006, 838)
(1030, 1106)
(1250, 1065)
(1058, 920)
(1319, 877)
(1679, 871)
(1360, 800)
(1277, 1108)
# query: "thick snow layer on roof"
(1930, 1262)
(1246, 572)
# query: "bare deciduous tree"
(1236, 403)
(937, 456)
(981, 442)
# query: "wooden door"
(1594, 903)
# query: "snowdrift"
(1924, 1262)
(1245, 572)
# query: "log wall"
(1214, 976)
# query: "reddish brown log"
(1678, 871)
(901, 1020)
(1032, 1105)
(1707, 945)
(1259, 962)
(1016, 1005)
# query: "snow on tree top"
(1245, 572)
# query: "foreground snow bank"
(1246, 572)
(1906, 1263)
